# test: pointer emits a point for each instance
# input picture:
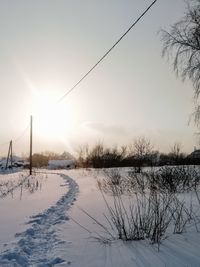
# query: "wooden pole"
(11, 155)
(31, 143)
(8, 156)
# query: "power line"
(19, 137)
(93, 67)
(22, 134)
(103, 57)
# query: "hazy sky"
(47, 45)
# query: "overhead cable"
(103, 57)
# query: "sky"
(47, 46)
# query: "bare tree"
(182, 44)
(176, 149)
(141, 150)
(83, 156)
(142, 146)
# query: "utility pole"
(9, 151)
(11, 154)
(31, 143)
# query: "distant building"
(61, 164)
(17, 162)
(195, 154)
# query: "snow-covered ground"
(82, 250)
(64, 236)
(32, 197)
(24, 239)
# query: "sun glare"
(51, 120)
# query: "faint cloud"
(106, 129)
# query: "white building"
(61, 164)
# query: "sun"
(51, 120)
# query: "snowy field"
(30, 196)
(23, 210)
(50, 227)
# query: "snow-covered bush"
(147, 206)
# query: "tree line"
(41, 159)
(138, 154)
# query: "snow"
(83, 250)
(35, 195)
(17, 162)
(63, 235)
(34, 243)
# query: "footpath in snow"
(22, 196)
(55, 238)
(34, 246)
